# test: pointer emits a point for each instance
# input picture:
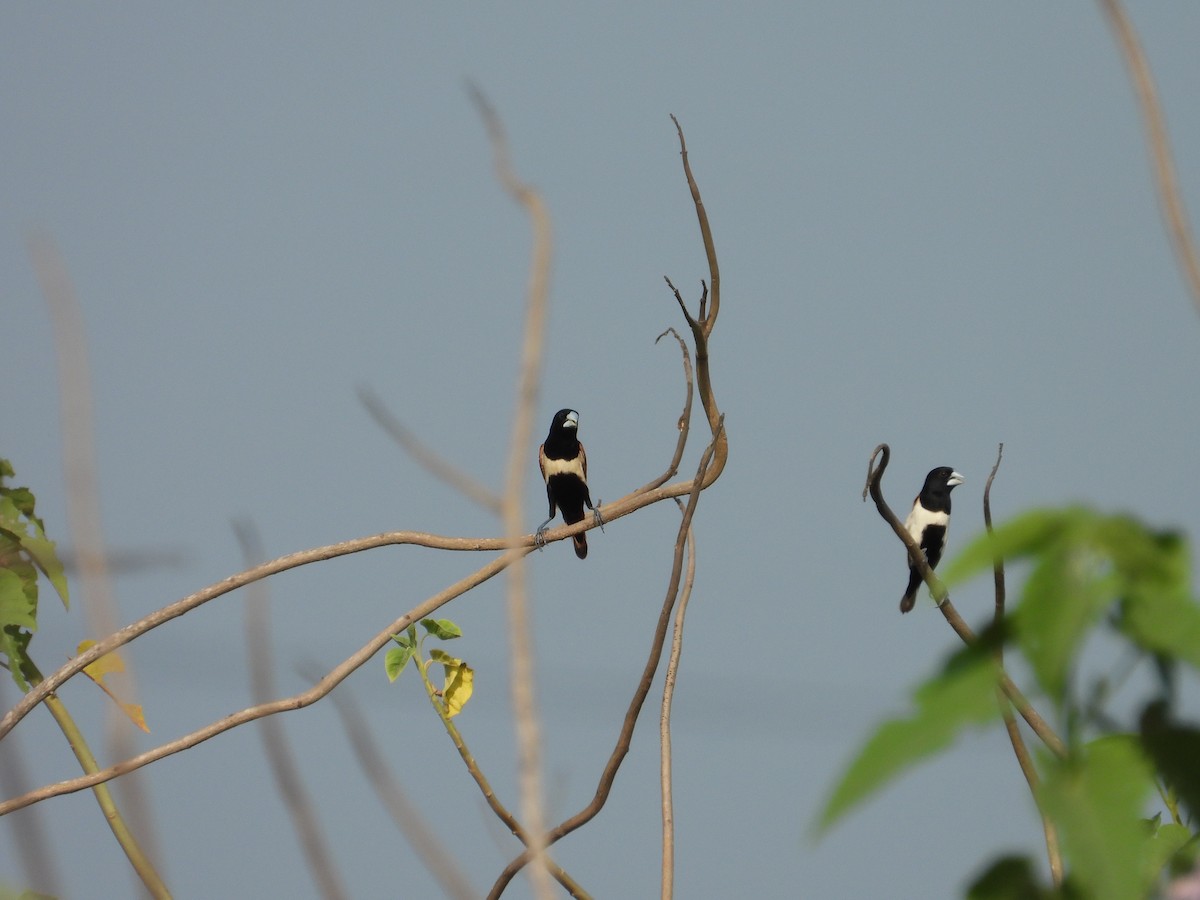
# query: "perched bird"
(927, 523)
(564, 468)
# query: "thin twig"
(283, 765)
(527, 725)
(84, 521)
(664, 723)
(1169, 197)
(625, 736)
(702, 326)
(961, 628)
(134, 852)
(405, 814)
(489, 795)
(1020, 750)
(685, 418)
(432, 462)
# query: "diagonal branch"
(426, 458)
(961, 628)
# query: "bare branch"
(625, 736)
(304, 818)
(664, 725)
(702, 327)
(961, 628)
(404, 813)
(685, 418)
(1169, 197)
(298, 701)
(613, 511)
(426, 458)
(85, 523)
(524, 702)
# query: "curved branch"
(685, 418)
(703, 326)
(961, 628)
(1169, 197)
(625, 736)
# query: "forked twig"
(625, 736)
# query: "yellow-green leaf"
(460, 684)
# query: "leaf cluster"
(25, 551)
(1088, 572)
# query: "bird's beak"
(571, 421)
(955, 478)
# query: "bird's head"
(565, 418)
(943, 477)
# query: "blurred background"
(936, 226)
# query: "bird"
(927, 523)
(564, 468)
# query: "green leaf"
(1175, 752)
(1167, 841)
(1097, 801)
(442, 628)
(45, 555)
(17, 607)
(1024, 536)
(964, 693)
(14, 644)
(1009, 878)
(403, 640)
(395, 660)
(1065, 595)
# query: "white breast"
(920, 517)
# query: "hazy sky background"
(936, 227)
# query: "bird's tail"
(580, 545)
(910, 596)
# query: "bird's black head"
(938, 485)
(564, 419)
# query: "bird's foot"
(596, 517)
(539, 536)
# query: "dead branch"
(625, 736)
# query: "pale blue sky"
(936, 227)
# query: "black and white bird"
(564, 468)
(927, 523)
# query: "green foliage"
(1088, 571)
(459, 681)
(963, 693)
(24, 552)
